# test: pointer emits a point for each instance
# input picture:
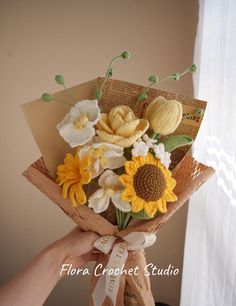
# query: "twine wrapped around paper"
(188, 173)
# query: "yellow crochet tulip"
(164, 115)
(121, 127)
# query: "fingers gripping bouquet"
(124, 165)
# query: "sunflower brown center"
(149, 183)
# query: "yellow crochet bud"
(164, 115)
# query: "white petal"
(67, 120)
(108, 178)
(99, 205)
(116, 162)
(97, 194)
(76, 137)
(112, 180)
(90, 107)
(146, 138)
(110, 147)
(74, 112)
(98, 201)
(96, 169)
(167, 160)
(159, 150)
(111, 153)
(119, 203)
(140, 149)
(84, 151)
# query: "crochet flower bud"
(164, 115)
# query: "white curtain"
(209, 276)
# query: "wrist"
(55, 255)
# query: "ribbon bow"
(119, 254)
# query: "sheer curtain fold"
(209, 276)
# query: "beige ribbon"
(119, 254)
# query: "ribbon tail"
(116, 263)
(99, 294)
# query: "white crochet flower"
(77, 127)
(160, 153)
(103, 156)
(149, 141)
(140, 148)
(111, 189)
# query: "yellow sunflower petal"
(171, 183)
(162, 206)
(130, 168)
(137, 204)
(150, 208)
(126, 180)
(138, 160)
(169, 196)
(128, 194)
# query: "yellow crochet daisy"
(72, 175)
(147, 185)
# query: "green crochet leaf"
(176, 141)
(142, 215)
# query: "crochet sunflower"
(147, 185)
(72, 175)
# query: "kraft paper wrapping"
(189, 174)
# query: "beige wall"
(42, 38)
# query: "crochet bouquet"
(114, 159)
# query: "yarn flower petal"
(111, 190)
(103, 156)
(121, 127)
(77, 127)
(72, 175)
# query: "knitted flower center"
(81, 121)
(149, 183)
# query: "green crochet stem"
(69, 93)
(60, 81)
(119, 218)
(46, 97)
(127, 219)
(174, 76)
(122, 219)
(109, 73)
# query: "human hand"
(76, 247)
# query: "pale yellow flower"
(164, 115)
(121, 127)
